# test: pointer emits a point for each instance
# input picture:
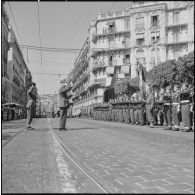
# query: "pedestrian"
(63, 104)
(168, 108)
(31, 96)
(185, 107)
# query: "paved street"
(95, 156)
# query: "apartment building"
(4, 52)
(18, 72)
(147, 31)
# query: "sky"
(62, 25)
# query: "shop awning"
(140, 36)
(108, 81)
(110, 70)
(110, 23)
(125, 69)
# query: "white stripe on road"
(68, 185)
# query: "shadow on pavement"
(83, 128)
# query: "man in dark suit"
(63, 103)
(31, 96)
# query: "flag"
(142, 80)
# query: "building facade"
(150, 32)
(4, 53)
(18, 72)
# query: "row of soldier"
(168, 107)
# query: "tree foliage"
(181, 70)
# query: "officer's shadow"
(81, 128)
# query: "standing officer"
(175, 105)
(167, 108)
(31, 96)
(185, 107)
(63, 104)
(140, 107)
(150, 104)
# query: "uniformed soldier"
(150, 104)
(140, 107)
(167, 108)
(136, 109)
(63, 104)
(185, 107)
(132, 110)
(32, 96)
(175, 106)
(161, 117)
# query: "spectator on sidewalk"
(31, 96)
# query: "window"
(176, 36)
(139, 41)
(140, 23)
(175, 18)
(155, 21)
(153, 55)
(153, 39)
(127, 24)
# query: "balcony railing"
(173, 26)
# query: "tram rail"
(67, 152)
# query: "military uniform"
(31, 96)
(175, 108)
(63, 105)
(168, 110)
(132, 105)
(150, 103)
(140, 107)
(185, 109)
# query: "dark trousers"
(63, 116)
(141, 116)
(132, 116)
(149, 113)
(185, 114)
(29, 116)
(175, 116)
(168, 117)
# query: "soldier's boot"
(151, 125)
(175, 128)
(168, 128)
(187, 129)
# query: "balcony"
(94, 37)
(155, 26)
(176, 26)
(177, 43)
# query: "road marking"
(63, 168)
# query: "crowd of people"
(172, 107)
